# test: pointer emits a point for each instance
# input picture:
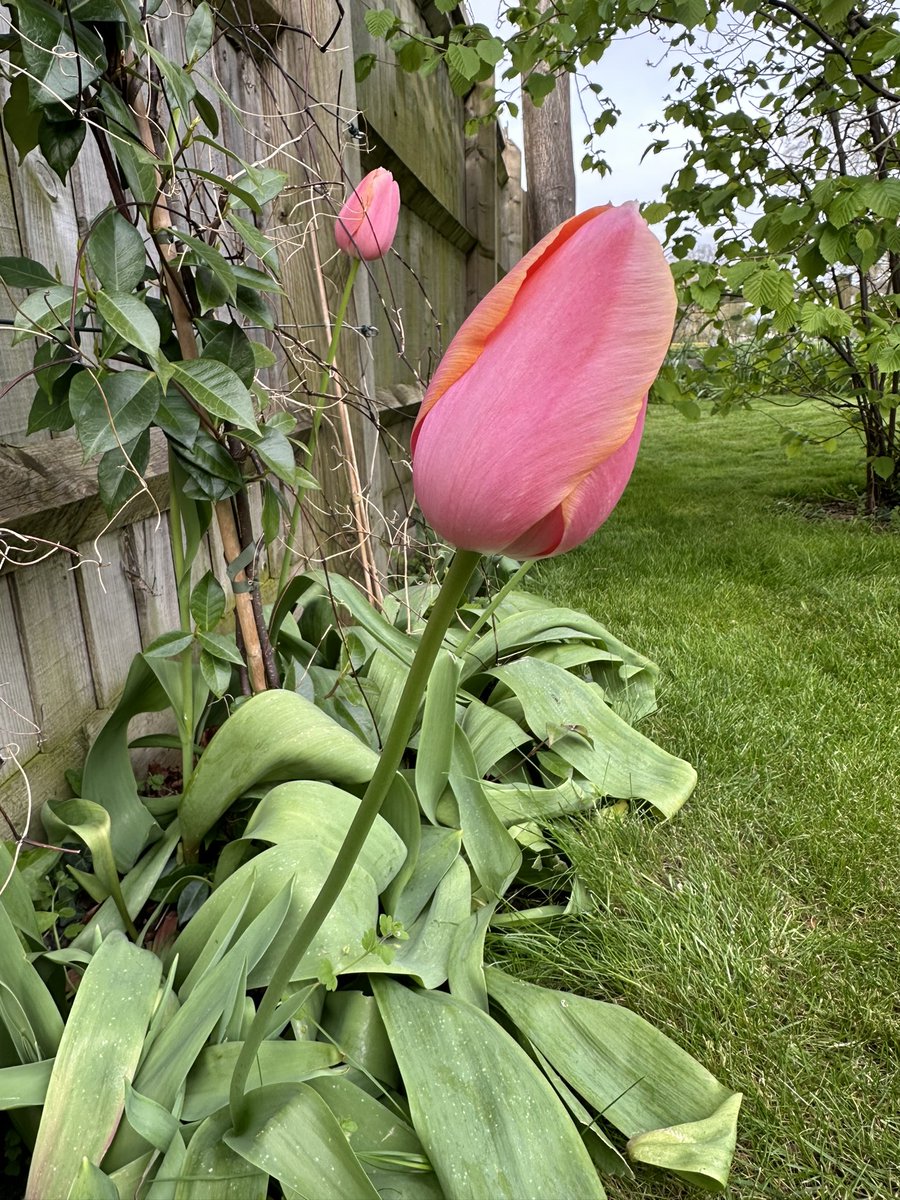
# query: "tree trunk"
(549, 164)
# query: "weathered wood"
(54, 647)
(549, 162)
(481, 197)
(397, 407)
(110, 619)
(147, 563)
(418, 301)
(18, 730)
(47, 491)
(245, 21)
(49, 223)
(512, 209)
(45, 771)
(400, 107)
(14, 360)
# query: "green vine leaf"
(169, 644)
(111, 408)
(118, 476)
(60, 143)
(46, 310)
(25, 273)
(364, 66)
(116, 252)
(21, 122)
(215, 672)
(207, 602)
(131, 319)
(220, 647)
(198, 34)
(264, 249)
(227, 343)
(217, 389)
(63, 57)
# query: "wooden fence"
(71, 623)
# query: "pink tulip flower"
(366, 225)
(529, 430)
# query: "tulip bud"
(529, 430)
(366, 225)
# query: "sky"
(637, 88)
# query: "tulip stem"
(469, 636)
(288, 561)
(458, 575)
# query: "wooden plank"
(313, 274)
(215, 553)
(398, 407)
(147, 563)
(88, 187)
(263, 18)
(14, 360)
(18, 732)
(110, 618)
(54, 647)
(46, 490)
(49, 222)
(417, 308)
(46, 775)
(481, 197)
(511, 241)
(399, 106)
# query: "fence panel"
(68, 631)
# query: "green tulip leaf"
(640, 1080)
(28, 1015)
(90, 1183)
(306, 809)
(489, 1121)
(609, 753)
(292, 1134)
(97, 1057)
(391, 1154)
(24, 1086)
(275, 735)
(212, 1170)
(301, 865)
(436, 737)
(206, 1089)
(699, 1151)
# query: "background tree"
(549, 163)
(792, 163)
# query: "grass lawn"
(761, 927)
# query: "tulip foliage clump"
(400, 1061)
(279, 985)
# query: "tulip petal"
(590, 503)
(585, 508)
(556, 388)
(367, 222)
(474, 332)
(541, 540)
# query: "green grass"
(761, 927)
